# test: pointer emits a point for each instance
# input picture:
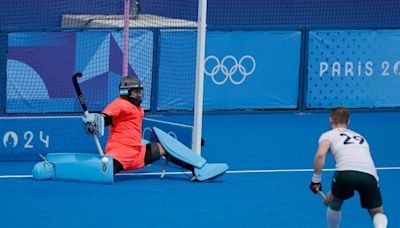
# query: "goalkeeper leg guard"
(82, 167)
(201, 170)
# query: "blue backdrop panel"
(33, 61)
(40, 66)
(252, 70)
(3, 53)
(177, 70)
(25, 138)
(353, 68)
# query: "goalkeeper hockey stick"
(84, 107)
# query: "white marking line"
(170, 123)
(230, 172)
(39, 117)
(298, 170)
(15, 176)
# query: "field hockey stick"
(323, 196)
(84, 107)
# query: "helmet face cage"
(128, 85)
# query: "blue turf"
(237, 200)
(289, 140)
(251, 141)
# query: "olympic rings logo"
(229, 70)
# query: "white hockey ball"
(104, 160)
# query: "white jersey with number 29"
(350, 151)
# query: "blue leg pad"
(179, 150)
(82, 167)
(210, 171)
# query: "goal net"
(105, 41)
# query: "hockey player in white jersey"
(355, 170)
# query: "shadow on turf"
(181, 177)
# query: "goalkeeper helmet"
(129, 85)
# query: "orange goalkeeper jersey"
(125, 137)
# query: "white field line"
(230, 172)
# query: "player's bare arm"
(319, 161)
(320, 156)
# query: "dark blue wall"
(303, 12)
(280, 13)
(47, 13)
